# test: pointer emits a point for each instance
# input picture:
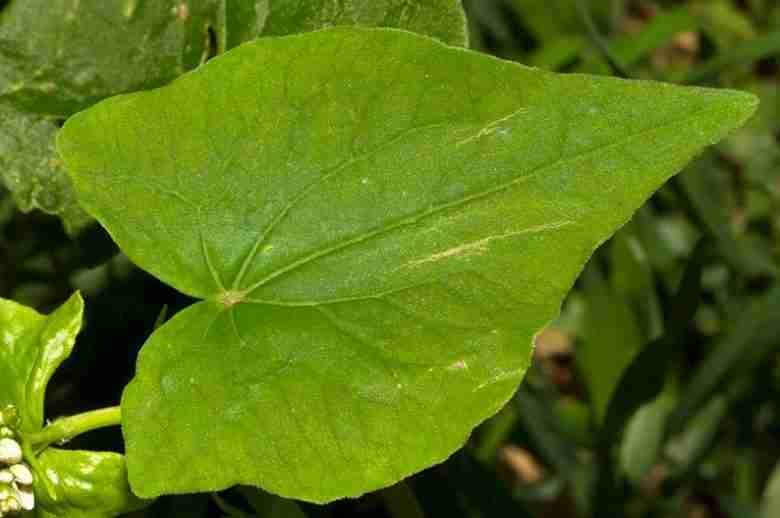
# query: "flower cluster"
(16, 492)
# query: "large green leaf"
(32, 346)
(379, 224)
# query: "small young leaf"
(32, 346)
(379, 224)
(89, 484)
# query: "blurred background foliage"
(655, 394)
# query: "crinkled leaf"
(244, 20)
(32, 171)
(441, 19)
(88, 484)
(59, 56)
(32, 346)
(379, 225)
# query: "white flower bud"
(6, 477)
(6, 432)
(26, 498)
(22, 474)
(10, 451)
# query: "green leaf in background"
(535, 15)
(642, 443)
(32, 171)
(244, 20)
(441, 19)
(89, 484)
(271, 506)
(753, 335)
(611, 338)
(81, 51)
(699, 186)
(32, 346)
(60, 56)
(376, 243)
(630, 49)
(770, 502)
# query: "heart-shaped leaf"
(379, 224)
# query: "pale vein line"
(335, 170)
(209, 264)
(462, 202)
(481, 245)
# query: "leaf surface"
(376, 245)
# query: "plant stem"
(69, 427)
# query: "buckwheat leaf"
(441, 19)
(88, 484)
(32, 346)
(379, 225)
